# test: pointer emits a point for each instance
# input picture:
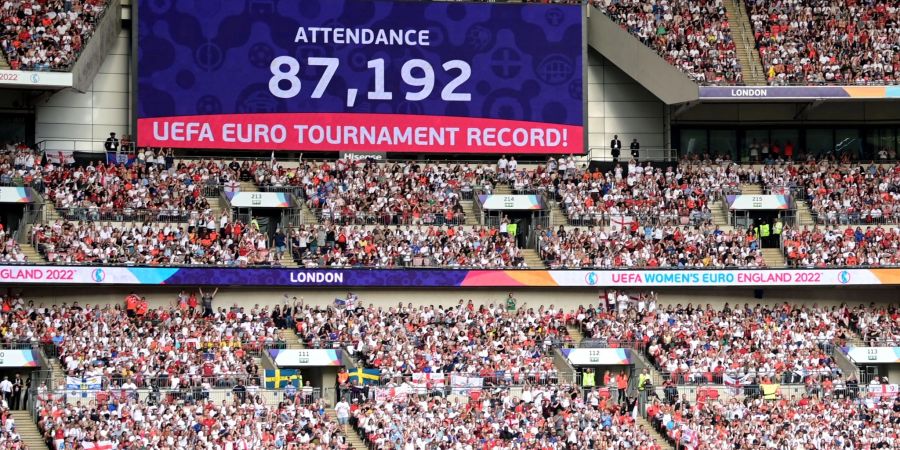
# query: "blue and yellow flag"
(364, 376)
(279, 378)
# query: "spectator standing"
(635, 150)
(207, 298)
(112, 143)
(615, 147)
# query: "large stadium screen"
(360, 75)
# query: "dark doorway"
(762, 220)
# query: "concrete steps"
(774, 257)
(745, 44)
(804, 214)
(575, 333)
(468, 207)
(249, 186)
(751, 189)
(290, 338)
(657, 437)
(719, 213)
(502, 189)
(32, 254)
(59, 376)
(353, 439)
(532, 258)
(557, 215)
(28, 430)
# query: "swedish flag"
(365, 376)
(279, 378)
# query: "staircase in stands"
(353, 438)
(575, 333)
(745, 44)
(28, 430)
(774, 257)
(290, 338)
(657, 436)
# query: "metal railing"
(604, 154)
(127, 215)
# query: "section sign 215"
(360, 75)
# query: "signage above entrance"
(758, 202)
(511, 202)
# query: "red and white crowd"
(826, 41)
(740, 344)
(215, 242)
(490, 342)
(841, 246)
(9, 436)
(170, 347)
(841, 193)
(10, 251)
(404, 246)
(123, 422)
(649, 247)
(878, 326)
(47, 35)
(693, 35)
(834, 422)
(542, 417)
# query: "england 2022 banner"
(360, 75)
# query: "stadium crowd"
(406, 246)
(215, 242)
(842, 246)
(112, 420)
(841, 193)
(47, 35)
(543, 417)
(499, 345)
(694, 36)
(878, 326)
(836, 421)
(827, 42)
(694, 344)
(634, 246)
(188, 344)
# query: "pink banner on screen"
(359, 132)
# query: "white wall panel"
(619, 105)
(94, 114)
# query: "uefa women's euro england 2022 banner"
(361, 75)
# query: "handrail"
(653, 154)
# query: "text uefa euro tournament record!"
(365, 75)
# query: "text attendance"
(361, 36)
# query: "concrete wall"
(69, 115)
(619, 105)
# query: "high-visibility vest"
(770, 391)
(776, 230)
(756, 232)
(588, 380)
(512, 228)
(764, 230)
(641, 379)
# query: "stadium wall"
(619, 105)
(104, 108)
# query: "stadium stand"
(541, 417)
(694, 36)
(650, 247)
(793, 422)
(826, 42)
(695, 344)
(47, 35)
